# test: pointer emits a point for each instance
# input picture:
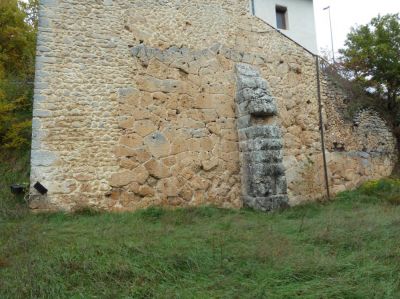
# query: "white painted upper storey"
(294, 18)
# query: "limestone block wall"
(135, 105)
(178, 139)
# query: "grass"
(349, 248)
(14, 169)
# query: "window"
(252, 7)
(281, 17)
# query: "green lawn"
(349, 248)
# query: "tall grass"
(14, 169)
(345, 249)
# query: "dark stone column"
(263, 175)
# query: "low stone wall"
(138, 103)
(358, 150)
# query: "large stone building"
(186, 103)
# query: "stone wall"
(178, 140)
(358, 150)
(135, 105)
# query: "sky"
(345, 14)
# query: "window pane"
(280, 20)
(281, 17)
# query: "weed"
(13, 171)
(394, 199)
(4, 262)
(152, 214)
(86, 211)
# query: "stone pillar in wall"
(263, 175)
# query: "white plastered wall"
(300, 17)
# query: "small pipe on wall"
(321, 126)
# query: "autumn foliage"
(18, 26)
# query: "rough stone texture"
(135, 106)
(358, 150)
(178, 128)
(263, 175)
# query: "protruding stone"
(146, 191)
(263, 175)
(124, 151)
(261, 144)
(209, 164)
(170, 187)
(128, 163)
(261, 131)
(126, 123)
(122, 179)
(144, 127)
(262, 107)
(158, 144)
(132, 141)
(151, 84)
(157, 169)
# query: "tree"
(18, 26)
(372, 57)
(31, 8)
